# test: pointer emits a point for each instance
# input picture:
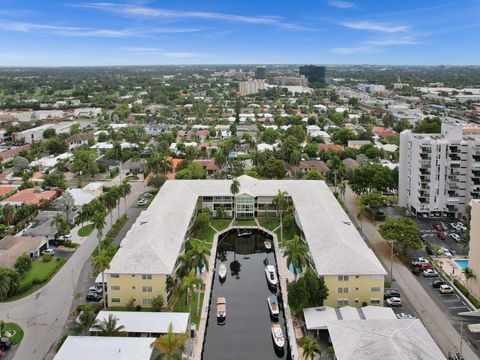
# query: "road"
(435, 320)
(43, 314)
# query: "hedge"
(467, 294)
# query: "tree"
(157, 303)
(156, 181)
(189, 283)
(74, 129)
(273, 168)
(308, 290)
(109, 327)
(311, 149)
(110, 200)
(125, 190)
(353, 101)
(428, 126)
(19, 164)
(23, 264)
(296, 131)
(84, 162)
(280, 202)
(296, 253)
(66, 203)
(313, 174)
(373, 177)
(469, 274)
(58, 222)
(56, 146)
(403, 231)
(49, 133)
(98, 220)
(270, 135)
(310, 346)
(169, 344)
(343, 135)
(289, 145)
(9, 281)
(234, 190)
(55, 179)
(85, 322)
(199, 253)
(100, 263)
(8, 212)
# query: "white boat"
(221, 308)
(271, 274)
(268, 244)
(273, 305)
(245, 233)
(277, 335)
(222, 271)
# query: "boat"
(268, 244)
(222, 271)
(271, 275)
(244, 233)
(273, 305)
(221, 309)
(277, 335)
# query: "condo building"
(439, 174)
(474, 253)
(146, 262)
(250, 87)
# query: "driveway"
(437, 322)
(43, 314)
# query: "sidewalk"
(435, 320)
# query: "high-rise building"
(261, 73)
(439, 174)
(474, 253)
(315, 74)
(250, 87)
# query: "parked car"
(444, 251)
(441, 235)
(423, 237)
(405, 316)
(49, 251)
(394, 302)
(429, 250)
(438, 227)
(420, 260)
(388, 293)
(437, 283)
(461, 226)
(142, 202)
(65, 237)
(455, 226)
(430, 273)
(443, 225)
(95, 289)
(455, 237)
(446, 289)
(1, 353)
(424, 266)
(416, 271)
(93, 297)
(5, 344)
(453, 252)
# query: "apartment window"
(376, 277)
(342, 290)
(375, 289)
(146, 277)
(146, 289)
(115, 287)
(114, 276)
(342, 277)
(375, 302)
(146, 301)
(117, 300)
(343, 302)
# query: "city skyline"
(85, 33)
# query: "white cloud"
(375, 45)
(352, 50)
(143, 11)
(74, 31)
(373, 26)
(152, 51)
(394, 41)
(342, 4)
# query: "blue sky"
(135, 32)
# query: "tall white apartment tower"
(439, 174)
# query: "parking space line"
(453, 300)
(457, 307)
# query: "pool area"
(462, 263)
(246, 331)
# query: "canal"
(246, 333)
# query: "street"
(43, 314)
(437, 322)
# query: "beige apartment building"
(474, 254)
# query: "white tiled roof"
(152, 244)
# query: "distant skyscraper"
(261, 73)
(315, 74)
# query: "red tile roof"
(31, 196)
(330, 147)
(13, 151)
(6, 189)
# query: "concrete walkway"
(43, 314)
(435, 320)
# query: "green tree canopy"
(403, 231)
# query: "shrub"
(130, 305)
(138, 308)
(46, 257)
(157, 303)
(69, 244)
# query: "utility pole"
(391, 259)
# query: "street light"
(391, 259)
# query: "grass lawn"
(269, 224)
(17, 330)
(86, 230)
(209, 244)
(288, 234)
(249, 222)
(220, 224)
(180, 306)
(204, 234)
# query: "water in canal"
(246, 333)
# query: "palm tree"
(342, 189)
(469, 274)
(199, 253)
(281, 203)
(169, 344)
(234, 190)
(4, 284)
(58, 221)
(110, 201)
(296, 253)
(98, 220)
(310, 347)
(8, 213)
(189, 283)
(126, 189)
(184, 262)
(108, 327)
(86, 321)
(66, 203)
(100, 263)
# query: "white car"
(49, 251)
(66, 237)
(446, 289)
(394, 302)
(445, 252)
(455, 237)
(455, 226)
(405, 316)
(430, 273)
(142, 202)
(420, 260)
(461, 226)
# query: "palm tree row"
(86, 322)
